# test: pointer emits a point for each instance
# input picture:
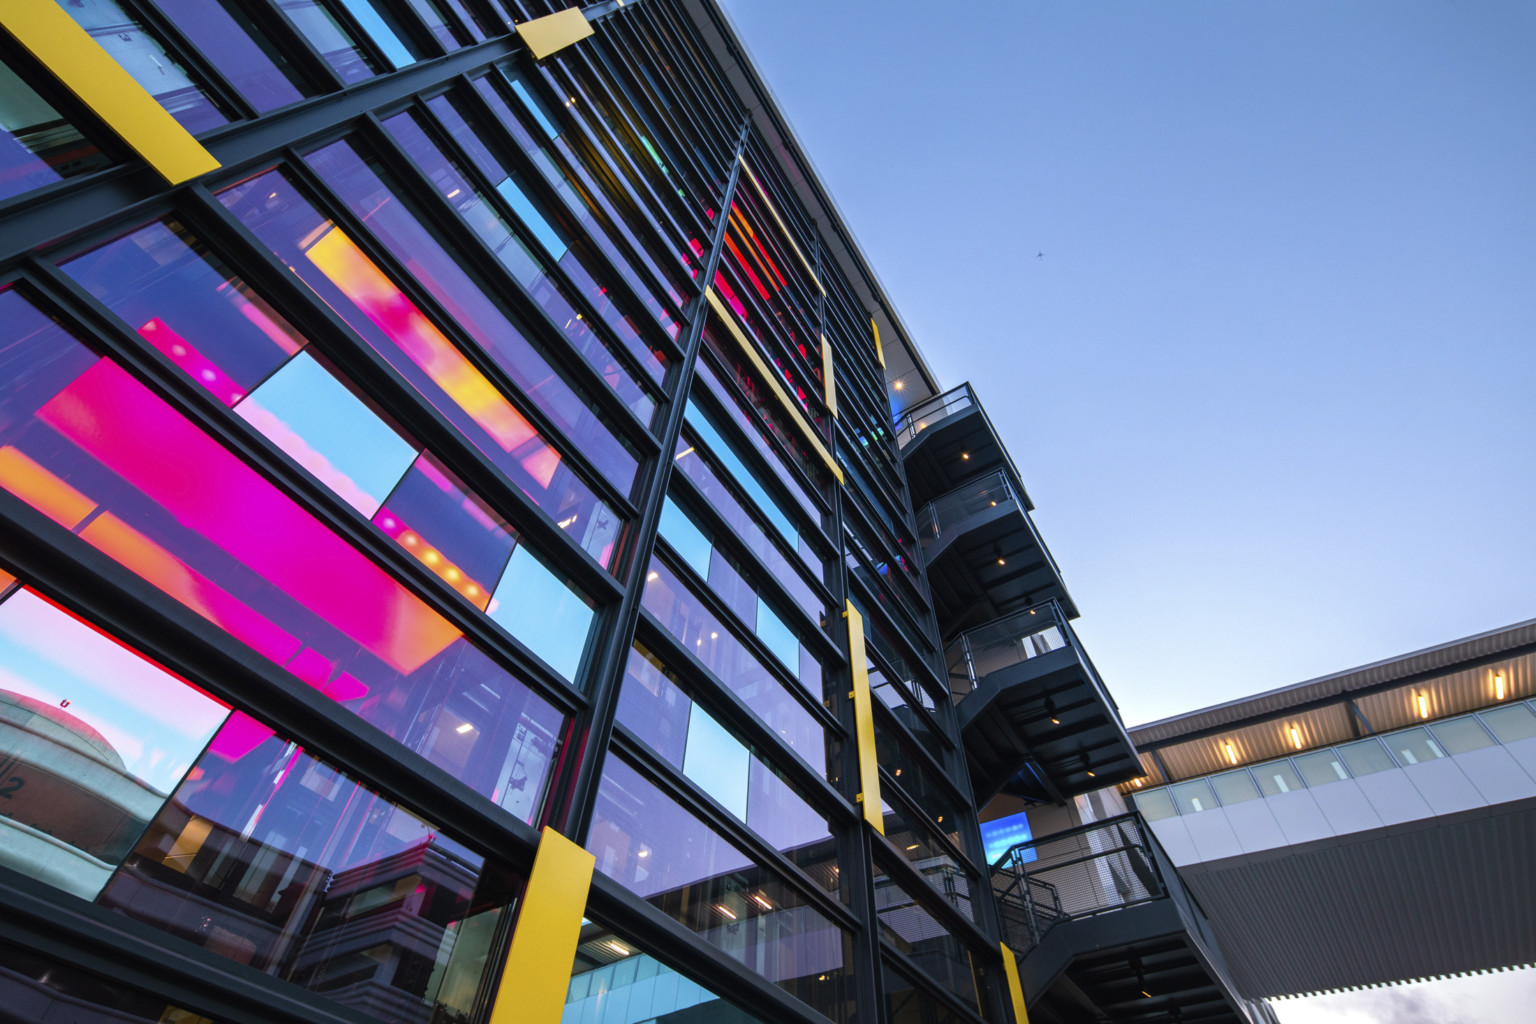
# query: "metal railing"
(1003, 643)
(933, 410)
(1083, 872)
(953, 508)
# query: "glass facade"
(490, 445)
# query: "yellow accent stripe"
(98, 81)
(1015, 987)
(729, 319)
(864, 722)
(537, 973)
(828, 376)
(879, 352)
(554, 32)
(788, 237)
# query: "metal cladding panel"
(1374, 907)
(1444, 657)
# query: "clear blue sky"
(1272, 384)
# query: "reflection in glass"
(913, 930)
(539, 608)
(1366, 757)
(93, 739)
(1412, 746)
(613, 982)
(1320, 767)
(906, 1003)
(331, 264)
(717, 761)
(278, 861)
(1193, 797)
(34, 987)
(682, 615)
(144, 58)
(329, 431)
(1273, 778)
(644, 840)
(320, 27)
(249, 61)
(37, 146)
(1155, 805)
(95, 450)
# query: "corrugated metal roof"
(1340, 684)
(1378, 907)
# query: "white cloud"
(1483, 999)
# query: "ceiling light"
(965, 455)
(1295, 737)
(1498, 686)
(725, 910)
(899, 385)
(1136, 783)
(762, 901)
(1231, 753)
(618, 947)
(466, 727)
(912, 847)
(651, 577)
(1055, 720)
(1423, 706)
(1090, 773)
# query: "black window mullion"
(203, 70)
(439, 214)
(341, 215)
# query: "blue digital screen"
(1001, 833)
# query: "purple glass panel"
(481, 216)
(37, 146)
(246, 61)
(278, 861)
(653, 707)
(681, 614)
(163, 283)
(647, 842)
(482, 319)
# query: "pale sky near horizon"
(1250, 291)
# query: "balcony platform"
(984, 557)
(1105, 930)
(1035, 720)
(948, 439)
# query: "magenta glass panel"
(647, 842)
(453, 532)
(682, 615)
(245, 57)
(163, 283)
(481, 216)
(95, 450)
(477, 315)
(281, 862)
(331, 264)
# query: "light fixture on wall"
(1423, 702)
(1498, 686)
(1231, 752)
(1295, 737)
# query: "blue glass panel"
(535, 605)
(328, 430)
(717, 762)
(780, 640)
(380, 32)
(686, 538)
(545, 232)
(733, 465)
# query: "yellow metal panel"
(780, 220)
(864, 722)
(537, 974)
(828, 377)
(729, 319)
(554, 32)
(1015, 988)
(98, 81)
(879, 352)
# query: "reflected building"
(447, 445)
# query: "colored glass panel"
(333, 42)
(644, 840)
(472, 308)
(614, 982)
(37, 146)
(686, 538)
(144, 58)
(331, 264)
(539, 608)
(372, 21)
(718, 650)
(87, 444)
(163, 283)
(249, 61)
(329, 431)
(523, 265)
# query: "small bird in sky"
(1039, 255)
